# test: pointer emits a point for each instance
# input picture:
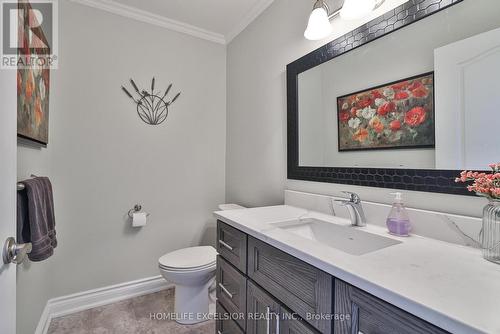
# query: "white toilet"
(192, 270)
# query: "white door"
(8, 148)
(468, 102)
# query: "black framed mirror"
(332, 74)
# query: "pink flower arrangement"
(484, 184)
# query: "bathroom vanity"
(277, 272)
(363, 110)
(273, 285)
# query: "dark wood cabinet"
(303, 288)
(280, 294)
(263, 311)
(370, 315)
(232, 245)
(231, 290)
(226, 323)
(268, 316)
(292, 324)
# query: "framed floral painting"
(32, 85)
(392, 116)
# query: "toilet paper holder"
(135, 209)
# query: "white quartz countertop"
(448, 285)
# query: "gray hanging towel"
(35, 218)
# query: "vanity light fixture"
(319, 26)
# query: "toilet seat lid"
(192, 257)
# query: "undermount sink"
(344, 238)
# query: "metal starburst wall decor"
(152, 107)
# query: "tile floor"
(130, 316)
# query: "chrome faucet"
(355, 209)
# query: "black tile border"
(438, 181)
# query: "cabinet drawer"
(231, 289)
(232, 245)
(263, 311)
(225, 323)
(294, 325)
(301, 287)
(370, 315)
(267, 316)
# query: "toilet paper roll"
(139, 219)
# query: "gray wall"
(102, 159)
(256, 105)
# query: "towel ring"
(135, 209)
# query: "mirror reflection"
(417, 98)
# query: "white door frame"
(8, 165)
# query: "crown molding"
(154, 19)
(260, 7)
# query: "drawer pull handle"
(225, 290)
(222, 243)
(355, 319)
(268, 313)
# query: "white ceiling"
(217, 20)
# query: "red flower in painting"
(351, 100)
(420, 92)
(376, 94)
(376, 124)
(365, 102)
(46, 76)
(344, 116)
(415, 116)
(38, 111)
(386, 108)
(395, 125)
(400, 85)
(360, 135)
(23, 40)
(354, 112)
(19, 82)
(401, 95)
(416, 84)
(427, 81)
(30, 84)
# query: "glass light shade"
(356, 9)
(318, 26)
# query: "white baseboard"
(81, 301)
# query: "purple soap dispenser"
(398, 222)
